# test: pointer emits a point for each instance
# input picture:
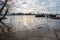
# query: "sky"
(36, 6)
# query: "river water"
(29, 22)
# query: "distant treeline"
(19, 14)
(53, 16)
(36, 15)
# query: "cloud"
(35, 5)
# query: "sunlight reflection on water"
(31, 22)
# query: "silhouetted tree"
(9, 35)
(4, 5)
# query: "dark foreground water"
(33, 28)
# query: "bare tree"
(9, 35)
(6, 6)
(1, 9)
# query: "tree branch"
(3, 6)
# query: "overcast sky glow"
(37, 6)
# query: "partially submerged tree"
(9, 35)
(3, 3)
(4, 6)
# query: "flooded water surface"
(24, 22)
(29, 27)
